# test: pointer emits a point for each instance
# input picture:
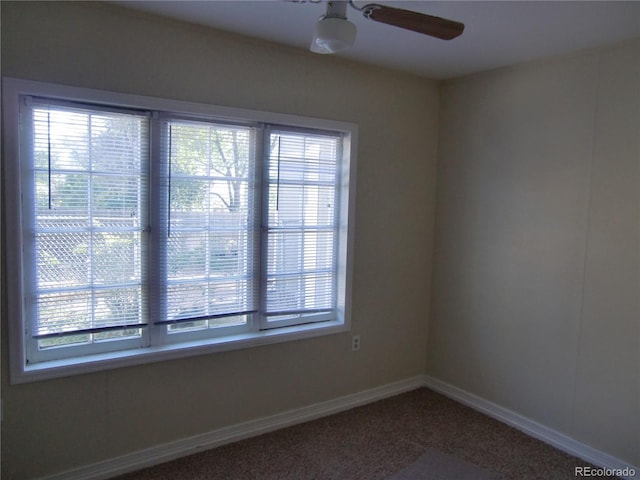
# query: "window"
(142, 229)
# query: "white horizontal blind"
(301, 225)
(89, 189)
(211, 245)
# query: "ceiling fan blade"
(418, 22)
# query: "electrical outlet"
(355, 343)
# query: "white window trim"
(12, 90)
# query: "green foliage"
(204, 151)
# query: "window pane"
(210, 249)
(89, 192)
(301, 233)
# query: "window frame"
(13, 90)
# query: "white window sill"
(126, 358)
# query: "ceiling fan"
(334, 32)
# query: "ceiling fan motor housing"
(333, 31)
(335, 34)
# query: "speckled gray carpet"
(375, 442)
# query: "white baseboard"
(532, 428)
(197, 443)
(188, 446)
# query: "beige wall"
(537, 249)
(52, 426)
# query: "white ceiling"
(497, 33)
